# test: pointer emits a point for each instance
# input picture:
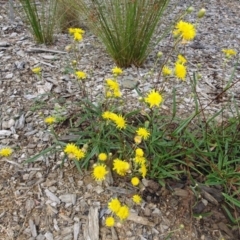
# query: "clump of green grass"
(126, 28)
(40, 17)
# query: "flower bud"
(74, 62)
(201, 13)
(190, 9)
(68, 48)
(159, 54)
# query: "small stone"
(52, 196)
(9, 75)
(5, 133)
(129, 82)
(48, 236)
(68, 198)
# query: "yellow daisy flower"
(139, 152)
(117, 71)
(102, 156)
(123, 212)
(229, 52)
(110, 221)
(6, 152)
(99, 172)
(186, 30)
(143, 132)
(181, 59)
(166, 71)
(139, 160)
(120, 166)
(120, 121)
(50, 120)
(153, 98)
(180, 71)
(135, 181)
(143, 170)
(37, 70)
(136, 198)
(114, 205)
(80, 74)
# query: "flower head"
(120, 121)
(153, 98)
(114, 205)
(181, 59)
(123, 212)
(166, 71)
(73, 151)
(186, 30)
(109, 115)
(139, 152)
(136, 198)
(201, 13)
(102, 156)
(135, 181)
(77, 37)
(180, 71)
(37, 70)
(6, 152)
(139, 159)
(229, 52)
(143, 170)
(117, 71)
(120, 166)
(113, 89)
(137, 139)
(50, 120)
(80, 74)
(143, 132)
(77, 33)
(110, 221)
(99, 172)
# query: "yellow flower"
(185, 30)
(139, 160)
(139, 152)
(123, 212)
(117, 94)
(109, 222)
(112, 84)
(180, 71)
(229, 52)
(120, 121)
(137, 139)
(117, 71)
(79, 154)
(135, 181)
(77, 36)
(136, 198)
(120, 166)
(143, 132)
(37, 70)
(166, 71)
(73, 151)
(153, 98)
(143, 170)
(6, 152)
(114, 205)
(181, 59)
(109, 115)
(80, 74)
(99, 172)
(50, 120)
(102, 156)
